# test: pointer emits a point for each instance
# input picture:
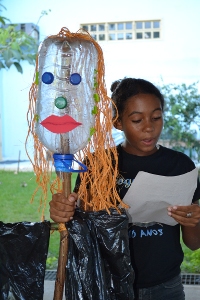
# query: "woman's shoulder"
(176, 155)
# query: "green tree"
(182, 110)
(191, 262)
(15, 46)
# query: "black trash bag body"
(23, 253)
(99, 264)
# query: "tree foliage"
(191, 262)
(15, 46)
(182, 114)
(3, 20)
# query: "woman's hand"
(185, 215)
(61, 208)
(189, 218)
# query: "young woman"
(156, 257)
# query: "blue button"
(47, 78)
(75, 78)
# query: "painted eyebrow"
(138, 112)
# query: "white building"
(157, 40)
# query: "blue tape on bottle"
(63, 163)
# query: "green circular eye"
(60, 102)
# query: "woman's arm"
(189, 218)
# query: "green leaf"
(37, 78)
(95, 84)
(3, 20)
(95, 110)
(92, 131)
(2, 66)
(15, 46)
(36, 118)
(18, 67)
(16, 54)
(7, 54)
(96, 97)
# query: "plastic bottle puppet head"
(69, 110)
(65, 105)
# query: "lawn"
(16, 191)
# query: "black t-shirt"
(155, 249)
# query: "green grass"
(16, 191)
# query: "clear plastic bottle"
(65, 98)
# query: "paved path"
(192, 292)
(49, 290)
(13, 165)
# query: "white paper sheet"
(149, 196)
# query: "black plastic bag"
(99, 265)
(23, 253)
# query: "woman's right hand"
(62, 208)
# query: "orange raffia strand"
(102, 173)
(40, 162)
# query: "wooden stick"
(63, 252)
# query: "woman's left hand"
(185, 215)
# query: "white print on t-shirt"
(125, 182)
(145, 232)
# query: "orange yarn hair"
(97, 189)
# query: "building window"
(129, 25)
(85, 27)
(101, 27)
(112, 36)
(111, 26)
(94, 36)
(139, 25)
(129, 36)
(147, 24)
(156, 24)
(23, 27)
(120, 26)
(120, 36)
(128, 30)
(93, 28)
(147, 29)
(139, 35)
(102, 37)
(147, 35)
(156, 35)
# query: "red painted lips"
(58, 124)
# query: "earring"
(157, 146)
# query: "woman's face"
(142, 123)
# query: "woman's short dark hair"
(123, 89)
